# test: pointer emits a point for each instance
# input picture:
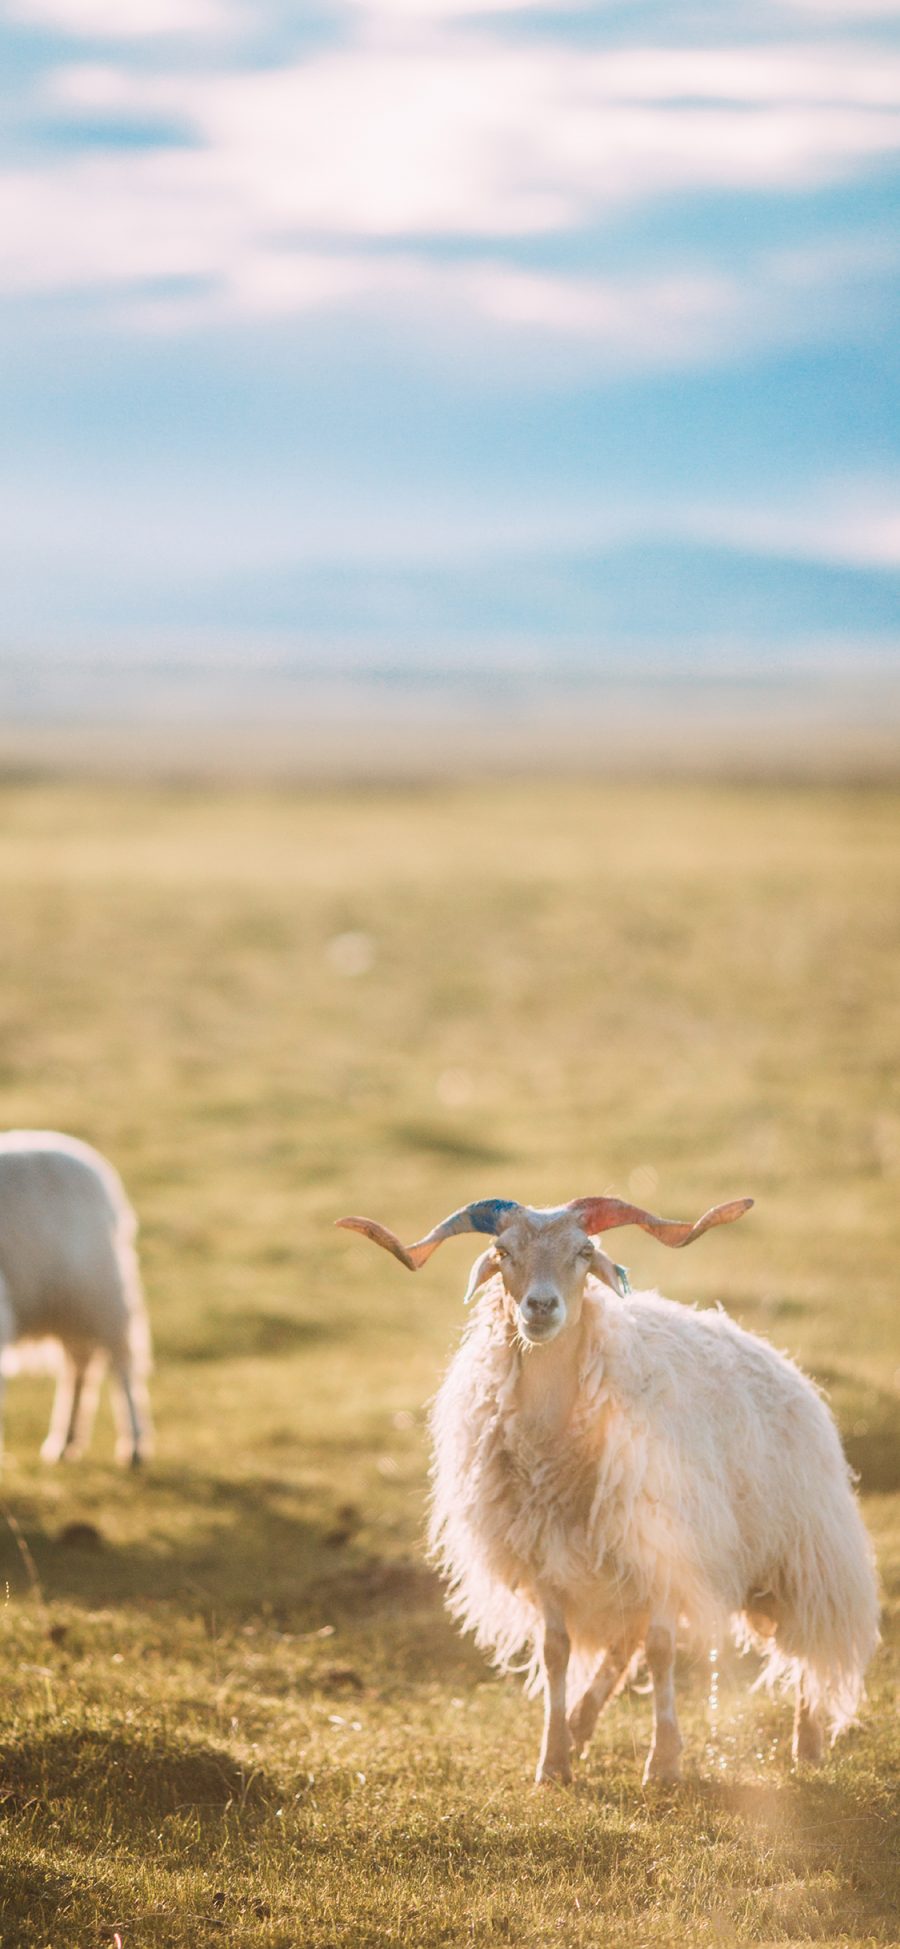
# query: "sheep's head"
(544, 1257)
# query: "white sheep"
(609, 1465)
(69, 1275)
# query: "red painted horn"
(604, 1214)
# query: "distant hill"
(662, 595)
(662, 654)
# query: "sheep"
(609, 1466)
(69, 1274)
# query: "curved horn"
(604, 1214)
(487, 1215)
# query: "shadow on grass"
(32, 1899)
(809, 1857)
(129, 1784)
(127, 1780)
(234, 1336)
(233, 1549)
(456, 1145)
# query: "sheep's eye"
(501, 1251)
(585, 1251)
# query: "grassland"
(233, 1709)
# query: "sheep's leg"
(132, 1411)
(664, 1757)
(808, 1744)
(67, 1432)
(85, 1406)
(554, 1762)
(607, 1679)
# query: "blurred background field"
(234, 1708)
(449, 711)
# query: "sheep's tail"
(829, 1628)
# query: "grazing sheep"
(609, 1465)
(69, 1273)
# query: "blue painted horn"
(486, 1215)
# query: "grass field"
(233, 1708)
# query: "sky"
(450, 332)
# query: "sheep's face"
(544, 1259)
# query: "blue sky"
(449, 330)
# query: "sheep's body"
(695, 1476)
(69, 1274)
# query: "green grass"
(234, 1710)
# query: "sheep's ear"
(483, 1270)
(611, 1274)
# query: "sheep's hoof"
(67, 1451)
(808, 1745)
(553, 1773)
(582, 1721)
(662, 1768)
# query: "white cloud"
(629, 321)
(758, 75)
(154, 224)
(857, 526)
(125, 19)
(295, 173)
(476, 311)
(484, 141)
(71, 229)
(857, 12)
(415, 11)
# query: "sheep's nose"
(539, 1306)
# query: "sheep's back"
(741, 1443)
(64, 1219)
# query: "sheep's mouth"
(536, 1332)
